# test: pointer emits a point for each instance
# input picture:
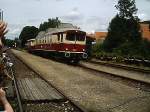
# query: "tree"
(28, 32)
(113, 39)
(52, 23)
(127, 8)
(124, 27)
(9, 42)
(17, 42)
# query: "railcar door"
(75, 40)
(71, 40)
(80, 41)
(60, 41)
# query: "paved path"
(94, 93)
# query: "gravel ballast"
(94, 93)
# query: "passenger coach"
(63, 43)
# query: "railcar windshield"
(75, 36)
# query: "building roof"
(100, 35)
(90, 37)
(145, 30)
(145, 22)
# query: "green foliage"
(9, 42)
(113, 39)
(30, 32)
(27, 33)
(145, 49)
(126, 8)
(121, 31)
(52, 23)
(124, 37)
(139, 50)
(96, 48)
(17, 41)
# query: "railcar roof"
(30, 40)
(56, 30)
(62, 30)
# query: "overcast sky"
(90, 15)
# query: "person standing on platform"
(5, 102)
(3, 99)
(3, 31)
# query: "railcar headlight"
(83, 49)
(66, 48)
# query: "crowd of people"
(3, 99)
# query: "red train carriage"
(64, 43)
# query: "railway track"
(31, 104)
(11, 83)
(137, 69)
(126, 79)
(17, 92)
(95, 91)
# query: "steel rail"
(16, 89)
(118, 66)
(56, 88)
(115, 75)
(126, 67)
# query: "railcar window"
(80, 37)
(71, 36)
(75, 36)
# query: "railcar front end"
(75, 45)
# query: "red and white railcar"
(64, 43)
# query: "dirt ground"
(93, 92)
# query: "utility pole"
(1, 15)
